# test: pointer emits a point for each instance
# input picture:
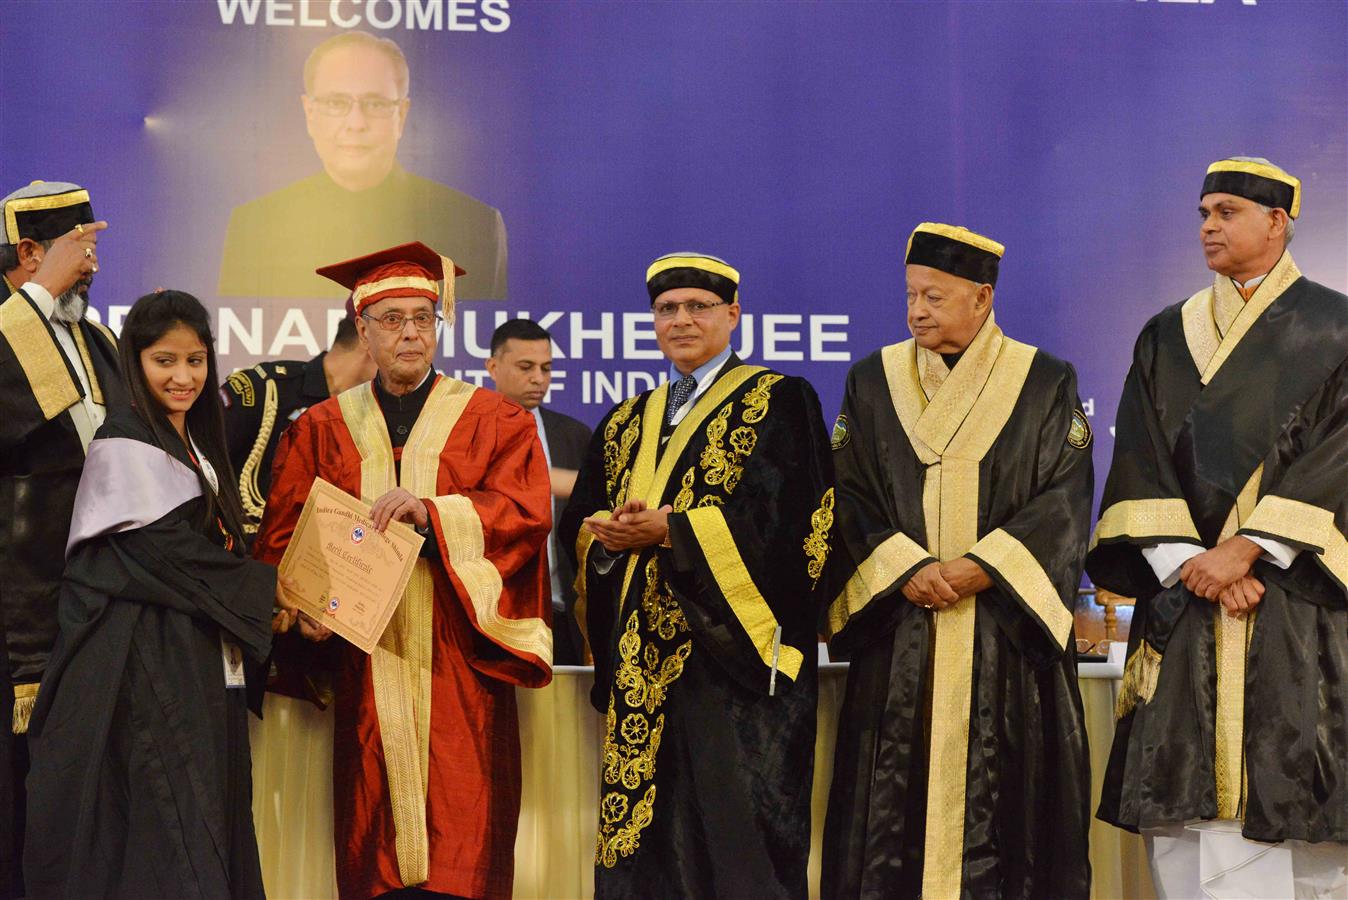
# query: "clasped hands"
(941, 584)
(1222, 575)
(632, 527)
(398, 505)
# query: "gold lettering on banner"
(400, 666)
(951, 435)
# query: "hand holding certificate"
(347, 575)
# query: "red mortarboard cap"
(408, 270)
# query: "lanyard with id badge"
(230, 652)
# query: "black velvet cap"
(1264, 183)
(695, 270)
(45, 210)
(955, 250)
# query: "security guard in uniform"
(262, 401)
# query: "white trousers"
(1212, 860)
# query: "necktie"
(678, 396)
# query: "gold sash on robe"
(1215, 320)
(400, 666)
(951, 432)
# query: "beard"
(71, 306)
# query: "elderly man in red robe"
(426, 761)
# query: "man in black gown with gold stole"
(58, 376)
(701, 520)
(963, 508)
(1224, 515)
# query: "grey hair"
(1268, 210)
(9, 255)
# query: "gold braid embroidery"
(715, 461)
(756, 400)
(816, 544)
(250, 494)
(683, 500)
(630, 749)
(617, 453)
(663, 615)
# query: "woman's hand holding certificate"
(343, 571)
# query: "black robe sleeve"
(759, 557)
(1306, 505)
(1035, 556)
(594, 589)
(1144, 503)
(874, 557)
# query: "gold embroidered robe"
(710, 709)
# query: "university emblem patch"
(1079, 435)
(840, 433)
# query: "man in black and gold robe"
(1224, 515)
(58, 376)
(963, 508)
(701, 519)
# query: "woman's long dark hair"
(153, 316)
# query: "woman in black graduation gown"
(140, 783)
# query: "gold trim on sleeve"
(1141, 519)
(1023, 573)
(894, 555)
(737, 586)
(465, 541)
(42, 362)
(1305, 524)
(584, 540)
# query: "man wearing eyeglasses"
(356, 102)
(426, 763)
(700, 521)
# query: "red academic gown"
(483, 625)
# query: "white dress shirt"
(558, 602)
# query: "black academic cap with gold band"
(955, 250)
(1262, 182)
(693, 270)
(45, 210)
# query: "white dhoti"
(1212, 860)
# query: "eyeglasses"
(337, 105)
(395, 322)
(698, 309)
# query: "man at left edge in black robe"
(58, 376)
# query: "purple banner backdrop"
(800, 141)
